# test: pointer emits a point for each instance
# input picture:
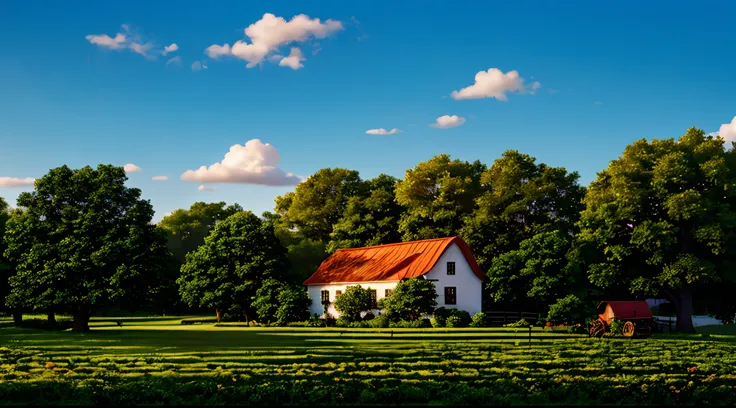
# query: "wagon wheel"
(597, 328)
(629, 329)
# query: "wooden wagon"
(636, 316)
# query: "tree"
(437, 195)
(237, 256)
(84, 241)
(661, 218)
(354, 301)
(294, 302)
(370, 220)
(410, 300)
(186, 229)
(320, 201)
(536, 274)
(5, 270)
(265, 301)
(521, 199)
(304, 254)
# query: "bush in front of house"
(379, 322)
(410, 324)
(411, 299)
(353, 302)
(450, 318)
(480, 319)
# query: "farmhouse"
(447, 262)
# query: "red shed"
(624, 310)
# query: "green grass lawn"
(158, 360)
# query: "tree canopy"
(369, 220)
(319, 202)
(5, 270)
(520, 199)
(83, 241)
(437, 195)
(186, 229)
(237, 256)
(662, 219)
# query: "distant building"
(448, 262)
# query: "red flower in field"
(692, 369)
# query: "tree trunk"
(17, 317)
(219, 314)
(81, 319)
(683, 301)
(52, 317)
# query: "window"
(451, 268)
(338, 293)
(388, 292)
(372, 294)
(450, 295)
(325, 296)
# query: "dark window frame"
(450, 295)
(373, 294)
(451, 268)
(325, 294)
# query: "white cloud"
(728, 131)
(270, 33)
(495, 84)
(16, 182)
(131, 168)
(131, 41)
(294, 60)
(382, 131)
(446, 122)
(105, 41)
(202, 187)
(159, 178)
(253, 163)
(176, 60)
(170, 48)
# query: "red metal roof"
(391, 262)
(623, 309)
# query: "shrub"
(410, 300)
(461, 317)
(479, 319)
(342, 321)
(354, 301)
(410, 324)
(453, 321)
(616, 327)
(441, 318)
(369, 316)
(570, 309)
(278, 303)
(315, 321)
(381, 321)
(437, 322)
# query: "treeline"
(659, 221)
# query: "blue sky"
(608, 72)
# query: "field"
(162, 361)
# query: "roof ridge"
(398, 243)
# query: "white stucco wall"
(468, 286)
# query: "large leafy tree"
(437, 195)
(84, 241)
(354, 301)
(369, 220)
(280, 303)
(236, 257)
(662, 218)
(410, 300)
(521, 199)
(320, 201)
(304, 254)
(186, 229)
(5, 270)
